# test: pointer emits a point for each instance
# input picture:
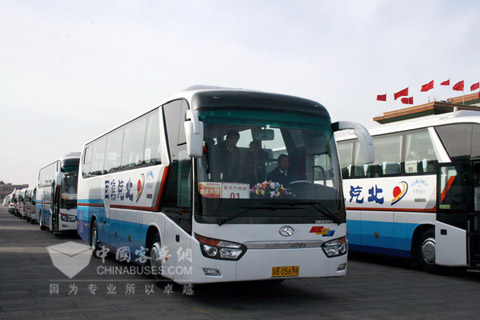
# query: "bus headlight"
(68, 217)
(334, 248)
(209, 250)
(220, 249)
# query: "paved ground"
(373, 289)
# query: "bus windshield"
(69, 183)
(264, 166)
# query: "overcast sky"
(70, 70)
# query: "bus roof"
(215, 96)
(71, 155)
(463, 116)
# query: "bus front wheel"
(94, 239)
(40, 222)
(426, 251)
(156, 257)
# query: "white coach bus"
(421, 197)
(56, 194)
(179, 187)
(30, 206)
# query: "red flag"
(459, 86)
(408, 100)
(382, 97)
(445, 83)
(475, 86)
(401, 93)
(427, 87)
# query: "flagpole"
(386, 103)
(449, 88)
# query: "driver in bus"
(281, 174)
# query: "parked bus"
(6, 200)
(159, 187)
(421, 197)
(56, 194)
(12, 203)
(22, 213)
(29, 200)
(16, 203)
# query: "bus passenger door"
(177, 206)
(450, 225)
(473, 222)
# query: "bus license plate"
(290, 271)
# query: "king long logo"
(140, 184)
(399, 192)
(324, 232)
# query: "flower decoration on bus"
(140, 184)
(399, 192)
(270, 189)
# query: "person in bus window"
(254, 166)
(281, 174)
(229, 157)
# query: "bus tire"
(50, 226)
(40, 222)
(425, 250)
(94, 239)
(155, 258)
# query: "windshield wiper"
(317, 206)
(247, 209)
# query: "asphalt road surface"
(32, 287)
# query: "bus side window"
(358, 167)
(388, 153)
(419, 154)
(114, 151)
(152, 140)
(133, 143)
(98, 157)
(174, 115)
(87, 158)
(345, 153)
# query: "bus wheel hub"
(428, 250)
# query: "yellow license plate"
(290, 271)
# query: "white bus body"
(421, 198)
(56, 194)
(21, 203)
(158, 186)
(29, 200)
(12, 204)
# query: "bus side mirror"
(364, 137)
(193, 134)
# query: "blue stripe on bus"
(90, 201)
(387, 238)
(377, 250)
(136, 231)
